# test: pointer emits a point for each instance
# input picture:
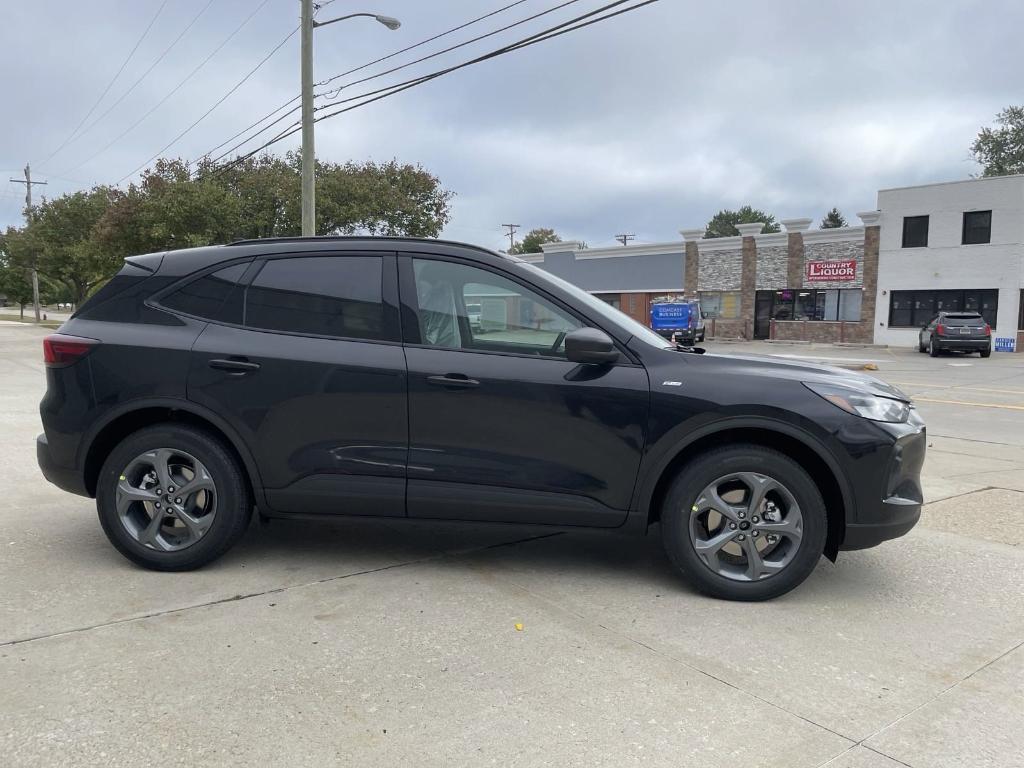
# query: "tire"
(679, 516)
(986, 353)
(227, 504)
(933, 351)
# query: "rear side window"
(320, 295)
(216, 296)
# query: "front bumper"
(899, 500)
(66, 478)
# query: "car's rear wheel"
(744, 523)
(172, 498)
(986, 353)
(933, 351)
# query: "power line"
(343, 74)
(339, 89)
(216, 104)
(624, 239)
(110, 85)
(145, 74)
(383, 93)
(174, 90)
(439, 53)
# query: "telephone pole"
(511, 235)
(624, 239)
(27, 181)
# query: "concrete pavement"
(388, 643)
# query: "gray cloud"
(648, 123)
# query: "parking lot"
(393, 643)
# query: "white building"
(950, 246)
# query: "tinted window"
(974, 321)
(216, 296)
(321, 295)
(917, 308)
(977, 227)
(511, 318)
(915, 231)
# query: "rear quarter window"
(216, 296)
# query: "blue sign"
(1006, 344)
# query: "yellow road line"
(964, 402)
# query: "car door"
(502, 426)
(313, 378)
(926, 332)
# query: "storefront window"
(723, 305)
(614, 299)
(915, 309)
(815, 305)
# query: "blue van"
(684, 319)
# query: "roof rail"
(329, 238)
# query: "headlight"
(859, 403)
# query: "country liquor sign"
(828, 271)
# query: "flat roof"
(956, 181)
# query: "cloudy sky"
(647, 123)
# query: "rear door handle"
(235, 367)
(453, 381)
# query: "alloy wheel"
(746, 526)
(166, 499)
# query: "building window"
(613, 299)
(977, 227)
(831, 305)
(915, 309)
(721, 305)
(915, 231)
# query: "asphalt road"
(383, 643)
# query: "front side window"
(506, 317)
(977, 227)
(915, 231)
(216, 296)
(321, 295)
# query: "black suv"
(956, 332)
(343, 376)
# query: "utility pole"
(306, 25)
(511, 235)
(308, 152)
(624, 239)
(27, 181)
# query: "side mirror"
(703, 315)
(590, 346)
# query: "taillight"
(59, 349)
(940, 329)
(988, 329)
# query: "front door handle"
(453, 381)
(235, 367)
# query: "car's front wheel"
(744, 522)
(172, 498)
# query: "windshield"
(603, 308)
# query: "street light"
(308, 153)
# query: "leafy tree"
(77, 241)
(532, 241)
(723, 223)
(1000, 151)
(15, 282)
(68, 250)
(833, 220)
